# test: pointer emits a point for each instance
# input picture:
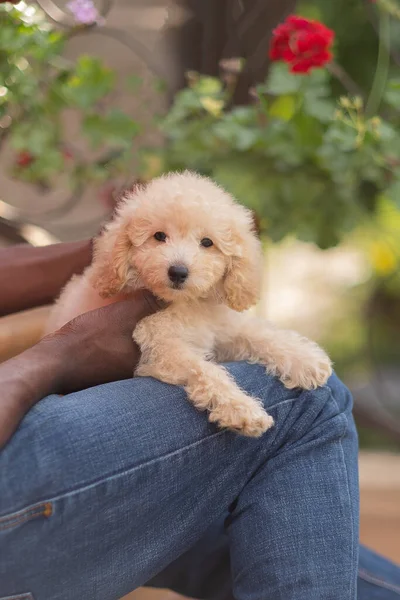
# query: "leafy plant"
(308, 161)
(301, 164)
(37, 89)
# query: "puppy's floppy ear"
(111, 270)
(242, 283)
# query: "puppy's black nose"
(178, 274)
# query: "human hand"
(92, 349)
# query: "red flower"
(24, 158)
(301, 43)
(67, 154)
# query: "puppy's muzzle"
(178, 275)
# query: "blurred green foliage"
(307, 165)
(304, 163)
(38, 86)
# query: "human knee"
(296, 411)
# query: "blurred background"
(95, 96)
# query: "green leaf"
(341, 137)
(316, 83)
(94, 128)
(237, 136)
(186, 103)
(160, 85)
(208, 86)
(53, 46)
(37, 138)
(89, 83)
(238, 128)
(392, 93)
(283, 108)
(393, 192)
(280, 81)
(115, 128)
(278, 141)
(247, 178)
(49, 163)
(122, 127)
(388, 133)
(134, 82)
(308, 134)
(321, 109)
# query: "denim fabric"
(107, 489)
(378, 578)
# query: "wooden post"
(218, 29)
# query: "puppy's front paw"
(242, 414)
(308, 369)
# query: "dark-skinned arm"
(31, 277)
(96, 347)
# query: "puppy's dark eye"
(206, 242)
(160, 236)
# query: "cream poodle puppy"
(187, 240)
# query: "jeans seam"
(370, 578)
(100, 481)
(353, 546)
(95, 482)
(25, 596)
(283, 402)
(7, 522)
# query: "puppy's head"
(183, 238)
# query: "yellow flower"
(345, 102)
(338, 115)
(212, 106)
(383, 258)
(375, 121)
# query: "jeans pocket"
(45, 509)
(26, 596)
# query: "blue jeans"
(125, 484)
